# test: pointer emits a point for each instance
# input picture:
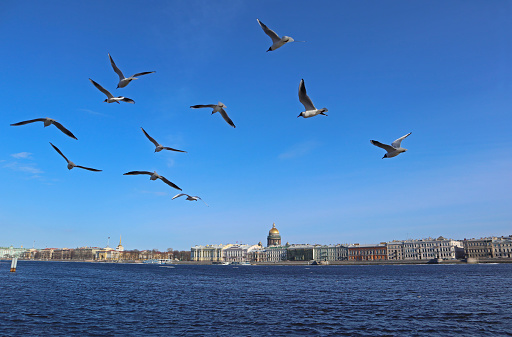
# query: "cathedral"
(273, 238)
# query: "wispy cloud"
(159, 194)
(299, 150)
(92, 112)
(27, 168)
(22, 155)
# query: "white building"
(427, 249)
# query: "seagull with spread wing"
(277, 41)
(189, 197)
(308, 104)
(110, 97)
(70, 163)
(159, 147)
(124, 81)
(154, 176)
(48, 122)
(217, 108)
(394, 149)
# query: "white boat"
(158, 261)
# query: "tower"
(273, 238)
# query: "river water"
(95, 299)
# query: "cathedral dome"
(273, 230)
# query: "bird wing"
(203, 106)
(63, 129)
(103, 90)
(386, 147)
(128, 100)
(56, 149)
(396, 143)
(131, 173)
(275, 38)
(116, 69)
(171, 149)
(29, 121)
(179, 195)
(226, 117)
(150, 138)
(143, 73)
(203, 201)
(304, 98)
(169, 183)
(88, 168)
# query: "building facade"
(427, 249)
(357, 252)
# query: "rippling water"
(93, 299)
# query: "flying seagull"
(124, 81)
(277, 41)
(217, 108)
(47, 122)
(189, 197)
(70, 163)
(154, 176)
(308, 105)
(110, 98)
(394, 149)
(158, 146)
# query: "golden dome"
(273, 230)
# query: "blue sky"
(441, 70)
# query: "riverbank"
(305, 263)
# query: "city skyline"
(439, 70)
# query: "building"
(357, 252)
(211, 253)
(428, 249)
(502, 247)
(300, 252)
(330, 252)
(9, 252)
(395, 250)
(268, 254)
(488, 248)
(237, 253)
(273, 238)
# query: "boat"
(242, 263)
(158, 261)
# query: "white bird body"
(394, 149)
(124, 81)
(311, 111)
(216, 108)
(277, 42)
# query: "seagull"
(110, 98)
(277, 41)
(158, 146)
(124, 81)
(189, 197)
(308, 105)
(154, 176)
(70, 163)
(47, 122)
(394, 149)
(217, 108)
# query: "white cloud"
(31, 168)
(22, 155)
